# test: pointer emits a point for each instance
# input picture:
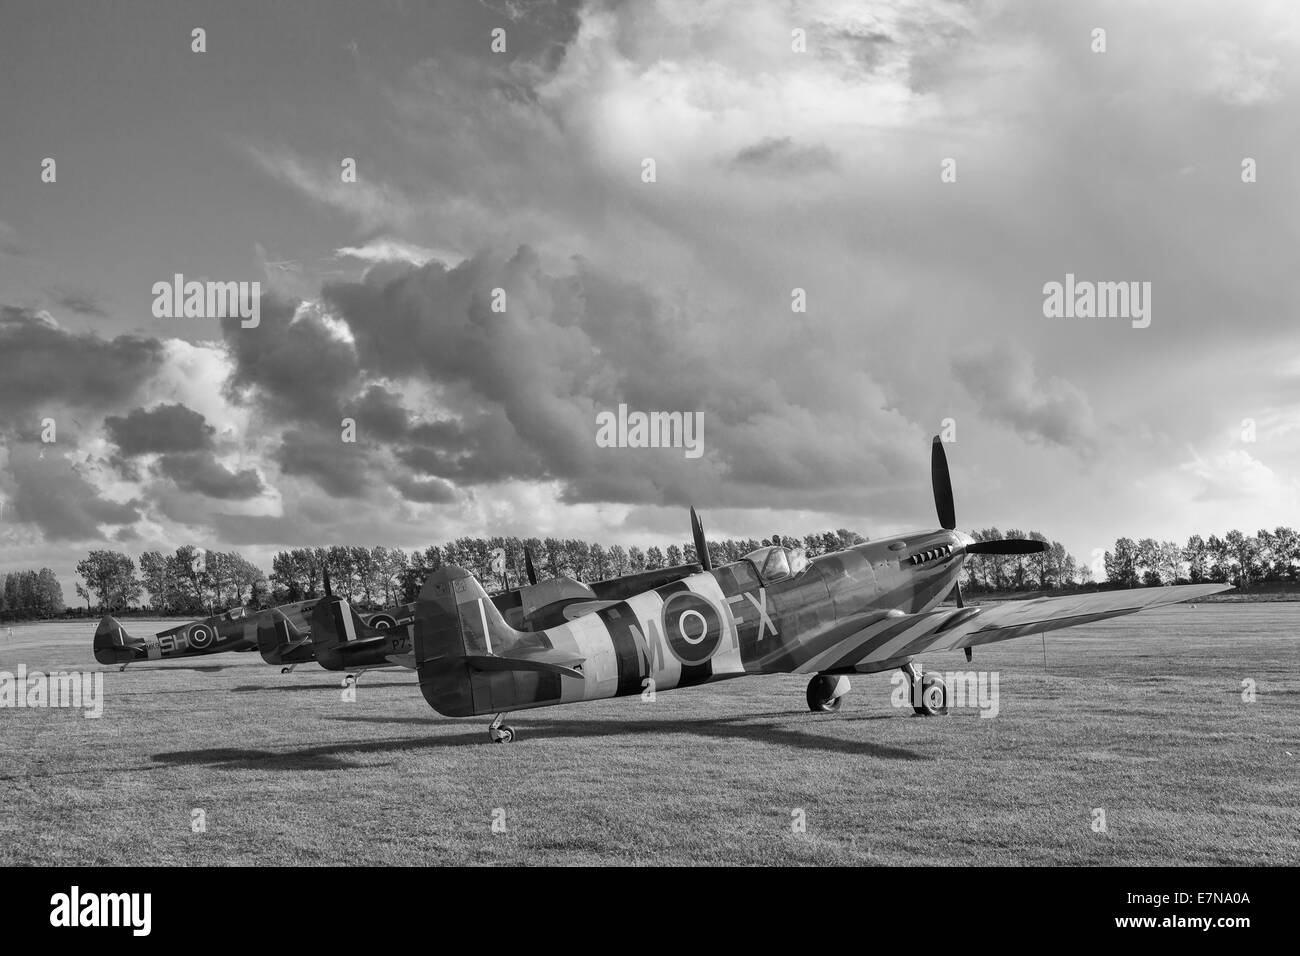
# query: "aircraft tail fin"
(278, 638)
(338, 633)
(113, 645)
(456, 618)
(471, 661)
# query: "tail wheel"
(826, 692)
(934, 697)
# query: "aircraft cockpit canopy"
(234, 614)
(775, 563)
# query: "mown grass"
(1141, 717)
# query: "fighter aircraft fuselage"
(755, 616)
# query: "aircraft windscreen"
(773, 563)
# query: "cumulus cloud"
(1048, 410)
(166, 428)
(396, 250)
(202, 473)
(776, 170)
(42, 363)
(61, 497)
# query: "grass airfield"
(1141, 717)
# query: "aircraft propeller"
(701, 544)
(943, 504)
(528, 566)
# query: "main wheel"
(934, 697)
(826, 692)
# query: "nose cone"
(963, 538)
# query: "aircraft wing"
(906, 635)
(1002, 622)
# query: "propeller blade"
(960, 602)
(328, 591)
(528, 566)
(1007, 546)
(701, 545)
(942, 483)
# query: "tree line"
(195, 581)
(1236, 558)
(31, 594)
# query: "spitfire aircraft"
(871, 607)
(341, 639)
(235, 630)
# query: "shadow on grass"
(139, 668)
(333, 756)
(363, 684)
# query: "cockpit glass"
(773, 563)
(777, 565)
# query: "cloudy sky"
(776, 168)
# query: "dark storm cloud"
(184, 439)
(525, 384)
(42, 363)
(782, 153)
(165, 428)
(481, 447)
(432, 491)
(200, 472)
(339, 468)
(380, 414)
(56, 496)
(298, 368)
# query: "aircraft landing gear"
(123, 667)
(351, 679)
(500, 733)
(826, 692)
(288, 668)
(932, 698)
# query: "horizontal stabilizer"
(586, 607)
(545, 661)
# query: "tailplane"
(113, 645)
(280, 641)
(472, 662)
(342, 639)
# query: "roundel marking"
(382, 621)
(693, 627)
(200, 636)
